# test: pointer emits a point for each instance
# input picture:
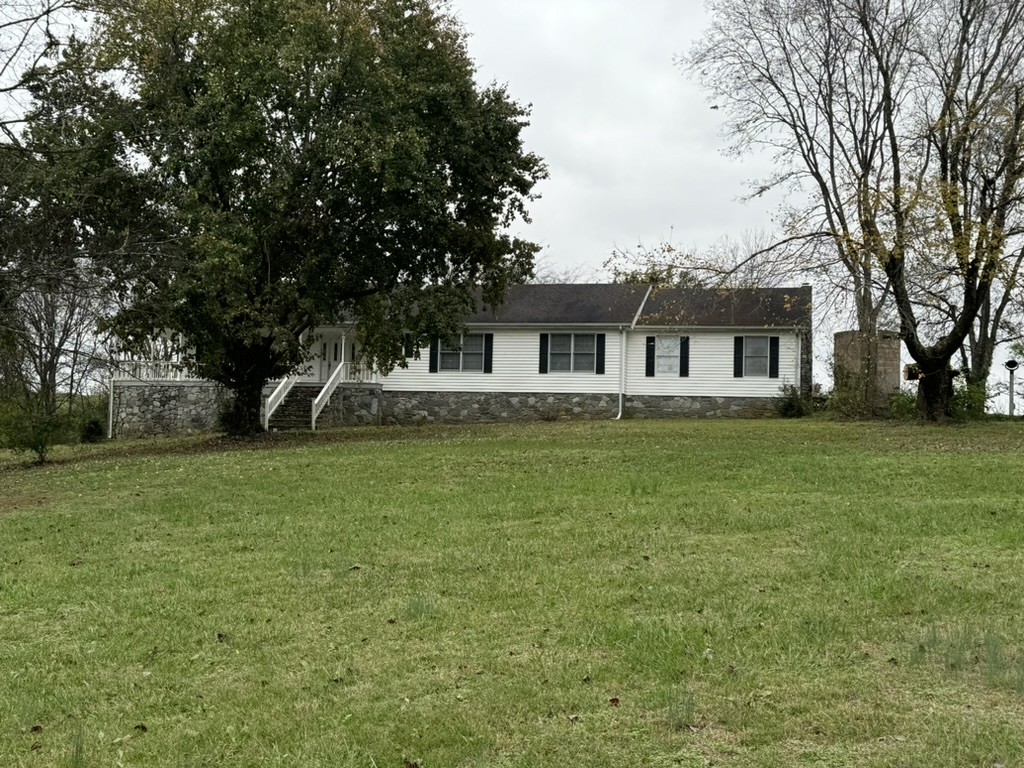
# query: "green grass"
(750, 593)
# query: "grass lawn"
(748, 593)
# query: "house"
(549, 351)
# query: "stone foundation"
(661, 407)
(145, 409)
(474, 407)
(352, 407)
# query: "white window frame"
(672, 367)
(460, 350)
(592, 353)
(748, 356)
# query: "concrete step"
(294, 412)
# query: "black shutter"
(599, 367)
(543, 353)
(488, 352)
(737, 357)
(773, 357)
(649, 371)
(407, 347)
(435, 353)
(684, 355)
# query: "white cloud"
(634, 150)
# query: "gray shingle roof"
(616, 304)
(571, 303)
(744, 307)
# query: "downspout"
(622, 372)
(623, 353)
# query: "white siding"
(711, 366)
(515, 368)
(517, 351)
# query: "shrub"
(903, 406)
(969, 401)
(792, 404)
(92, 417)
(28, 425)
(852, 398)
(92, 431)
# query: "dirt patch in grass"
(16, 503)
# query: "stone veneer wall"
(144, 409)
(456, 407)
(664, 407)
(352, 407)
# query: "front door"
(332, 354)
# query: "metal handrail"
(276, 398)
(321, 400)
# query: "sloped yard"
(752, 593)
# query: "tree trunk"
(935, 393)
(243, 418)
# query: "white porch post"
(344, 343)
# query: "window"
(668, 356)
(467, 355)
(472, 353)
(756, 356)
(572, 353)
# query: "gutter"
(623, 352)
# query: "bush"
(27, 423)
(903, 406)
(29, 426)
(852, 398)
(92, 431)
(792, 404)
(969, 401)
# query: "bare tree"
(756, 259)
(901, 122)
(31, 32)
(545, 271)
(52, 357)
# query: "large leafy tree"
(900, 121)
(316, 157)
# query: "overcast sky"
(633, 148)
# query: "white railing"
(276, 398)
(324, 397)
(357, 373)
(149, 370)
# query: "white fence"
(149, 370)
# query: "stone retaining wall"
(144, 409)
